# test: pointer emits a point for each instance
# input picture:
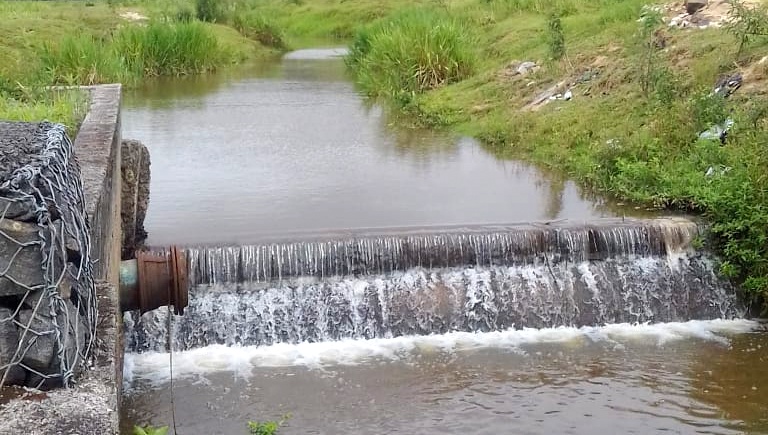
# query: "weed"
(266, 427)
(256, 26)
(211, 11)
(412, 52)
(149, 430)
(555, 37)
(747, 23)
(167, 49)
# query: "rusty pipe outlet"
(154, 280)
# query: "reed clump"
(412, 52)
(133, 53)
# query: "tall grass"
(81, 59)
(412, 52)
(134, 52)
(257, 26)
(167, 49)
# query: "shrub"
(211, 11)
(255, 26)
(411, 52)
(555, 37)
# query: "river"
(289, 147)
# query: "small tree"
(747, 22)
(650, 22)
(555, 37)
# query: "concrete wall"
(93, 405)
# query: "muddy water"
(290, 145)
(685, 378)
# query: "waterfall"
(366, 254)
(419, 282)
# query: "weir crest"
(406, 282)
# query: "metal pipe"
(154, 280)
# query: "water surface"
(291, 146)
(683, 378)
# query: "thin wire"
(170, 359)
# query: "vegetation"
(71, 43)
(266, 427)
(643, 93)
(149, 430)
(66, 107)
(254, 428)
(412, 52)
(642, 90)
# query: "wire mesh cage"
(47, 293)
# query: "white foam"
(154, 367)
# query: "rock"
(22, 209)
(20, 257)
(567, 95)
(693, 6)
(9, 343)
(44, 346)
(526, 67)
(20, 144)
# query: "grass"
(134, 53)
(64, 107)
(71, 43)
(79, 43)
(640, 99)
(412, 52)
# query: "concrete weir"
(91, 405)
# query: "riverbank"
(625, 98)
(86, 43)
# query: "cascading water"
(418, 282)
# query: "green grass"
(412, 52)
(70, 43)
(66, 107)
(134, 53)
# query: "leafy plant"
(266, 427)
(149, 430)
(555, 37)
(650, 22)
(211, 11)
(747, 22)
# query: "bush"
(211, 11)
(255, 26)
(412, 52)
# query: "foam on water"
(241, 360)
